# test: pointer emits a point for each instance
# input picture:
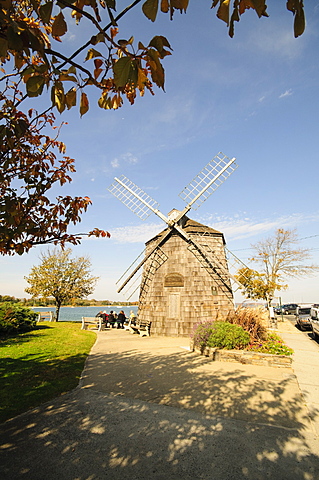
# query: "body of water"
(75, 314)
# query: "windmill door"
(173, 320)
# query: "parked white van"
(303, 316)
(314, 319)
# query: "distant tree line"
(8, 298)
(46, 302)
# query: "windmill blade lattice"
(133, 197)
(208, 180)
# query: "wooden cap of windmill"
(189, 226)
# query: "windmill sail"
(208, 180)
(134, 198)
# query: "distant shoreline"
(83, 306)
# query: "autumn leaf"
(157, 71)
(110, 3)
(92, 53)
(70, 98)
(150, 9)
(98, 70)
(223, 11)
(35, 86)
(104, 101)
(58, 97)
(159, 42)
(45, 12)
(84, 104)
(15, 41)
(260, 7)
(65, 77)
(245, 5)
(299, 23)
(125, 71)
(142, 79)
(164, 6)
(98, 63)
(59, 27)
(3, 47)
(99, 233)
(32, 219)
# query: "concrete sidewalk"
(305, 366)
(147, 407)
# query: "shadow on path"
(183, 379)
(165, 414)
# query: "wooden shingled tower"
(185, 276)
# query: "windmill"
(185, 276)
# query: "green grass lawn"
(39, 365)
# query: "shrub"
(226, 335)
(201, 334)
(16, 319)
(273, 345)
(252, 320)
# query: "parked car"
(287, 309)
(303, 316)
(314, 319)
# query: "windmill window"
(174, 280)
(214, 290)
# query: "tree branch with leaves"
(118, 68)
(29, 168)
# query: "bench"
(50, 316)
(92, 322)
(140, 327)
(127, 324)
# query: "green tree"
(279, 257)
(61, 277)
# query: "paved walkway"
(148, 408)
(305, 366)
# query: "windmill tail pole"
(132, 274)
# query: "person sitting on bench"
(111, 319)
(121, 319)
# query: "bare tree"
(279, 258)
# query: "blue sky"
(254, 97)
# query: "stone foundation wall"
(245, 357)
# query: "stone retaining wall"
(245, 357)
